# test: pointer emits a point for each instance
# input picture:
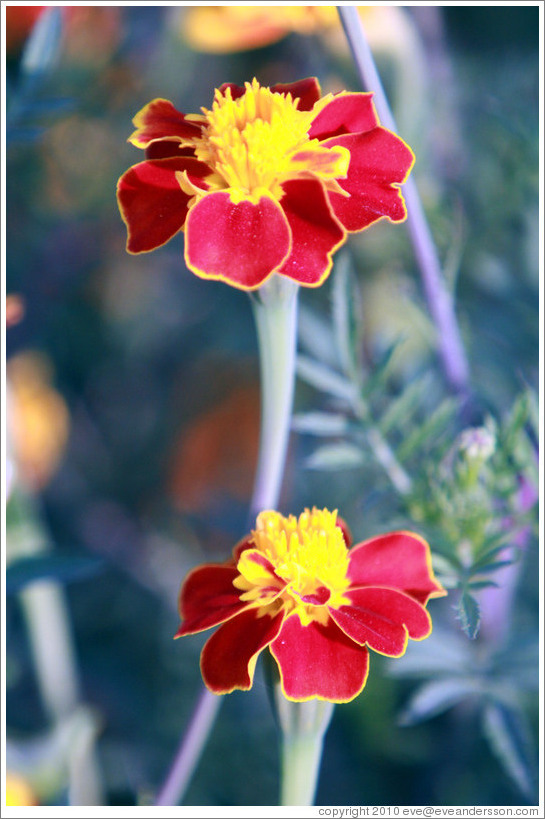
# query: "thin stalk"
(190, 749)
(439, 298)
(47, 617)
(382, 450)
(386, 458)
(275, 312)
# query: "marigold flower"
(225, 29)
(38, 418)
(294, 586)
(19, 791)
(270, 180)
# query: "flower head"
(294, 586)
(19, 791)
(477, 443)
(269, 180)
(224, 29)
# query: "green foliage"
(460, 484)
(469, 614)
(492, 681)
(507, 732)
(470, 490)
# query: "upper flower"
(293, 585)
(269, 180)
(223, 29)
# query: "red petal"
(152, 204)
(165, 148)
(400, 560)
(228, 659)
(246, 543)
(236, 90)
(347, 534)
(384, 619)
(307, 91)
(346, 114)
(379, 160)
(208, 598)
(240, 244)
(319, 661)
(315, 232)
(159, 119)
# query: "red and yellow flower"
(295, 586)
(269, 180)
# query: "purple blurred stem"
(190, 749)
(497, 602)
(439, 298)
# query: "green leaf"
(316, 337)
(443, 654)
(336, 456)
(381, 369)
(509, 738)
(61, 568)
(517, 419)
(488, 555)
(475, 585)
(347, 312)
(493, 566)
(438, 696)
(445, 565)
(325, 379)
(436, 423)
(320, 423)
(402, 408)
(469, 614)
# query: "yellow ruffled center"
(258, 141)
(299, 564)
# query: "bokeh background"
(133, 398)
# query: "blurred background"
(133, 409)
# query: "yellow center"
(310, 561)
(255, 143)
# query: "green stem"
(303, 724)
(301, 757)
(275, 312)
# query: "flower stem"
(439, 298)
(301, 757)
(303, 727)
(275, 312)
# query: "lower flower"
(294, 586)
